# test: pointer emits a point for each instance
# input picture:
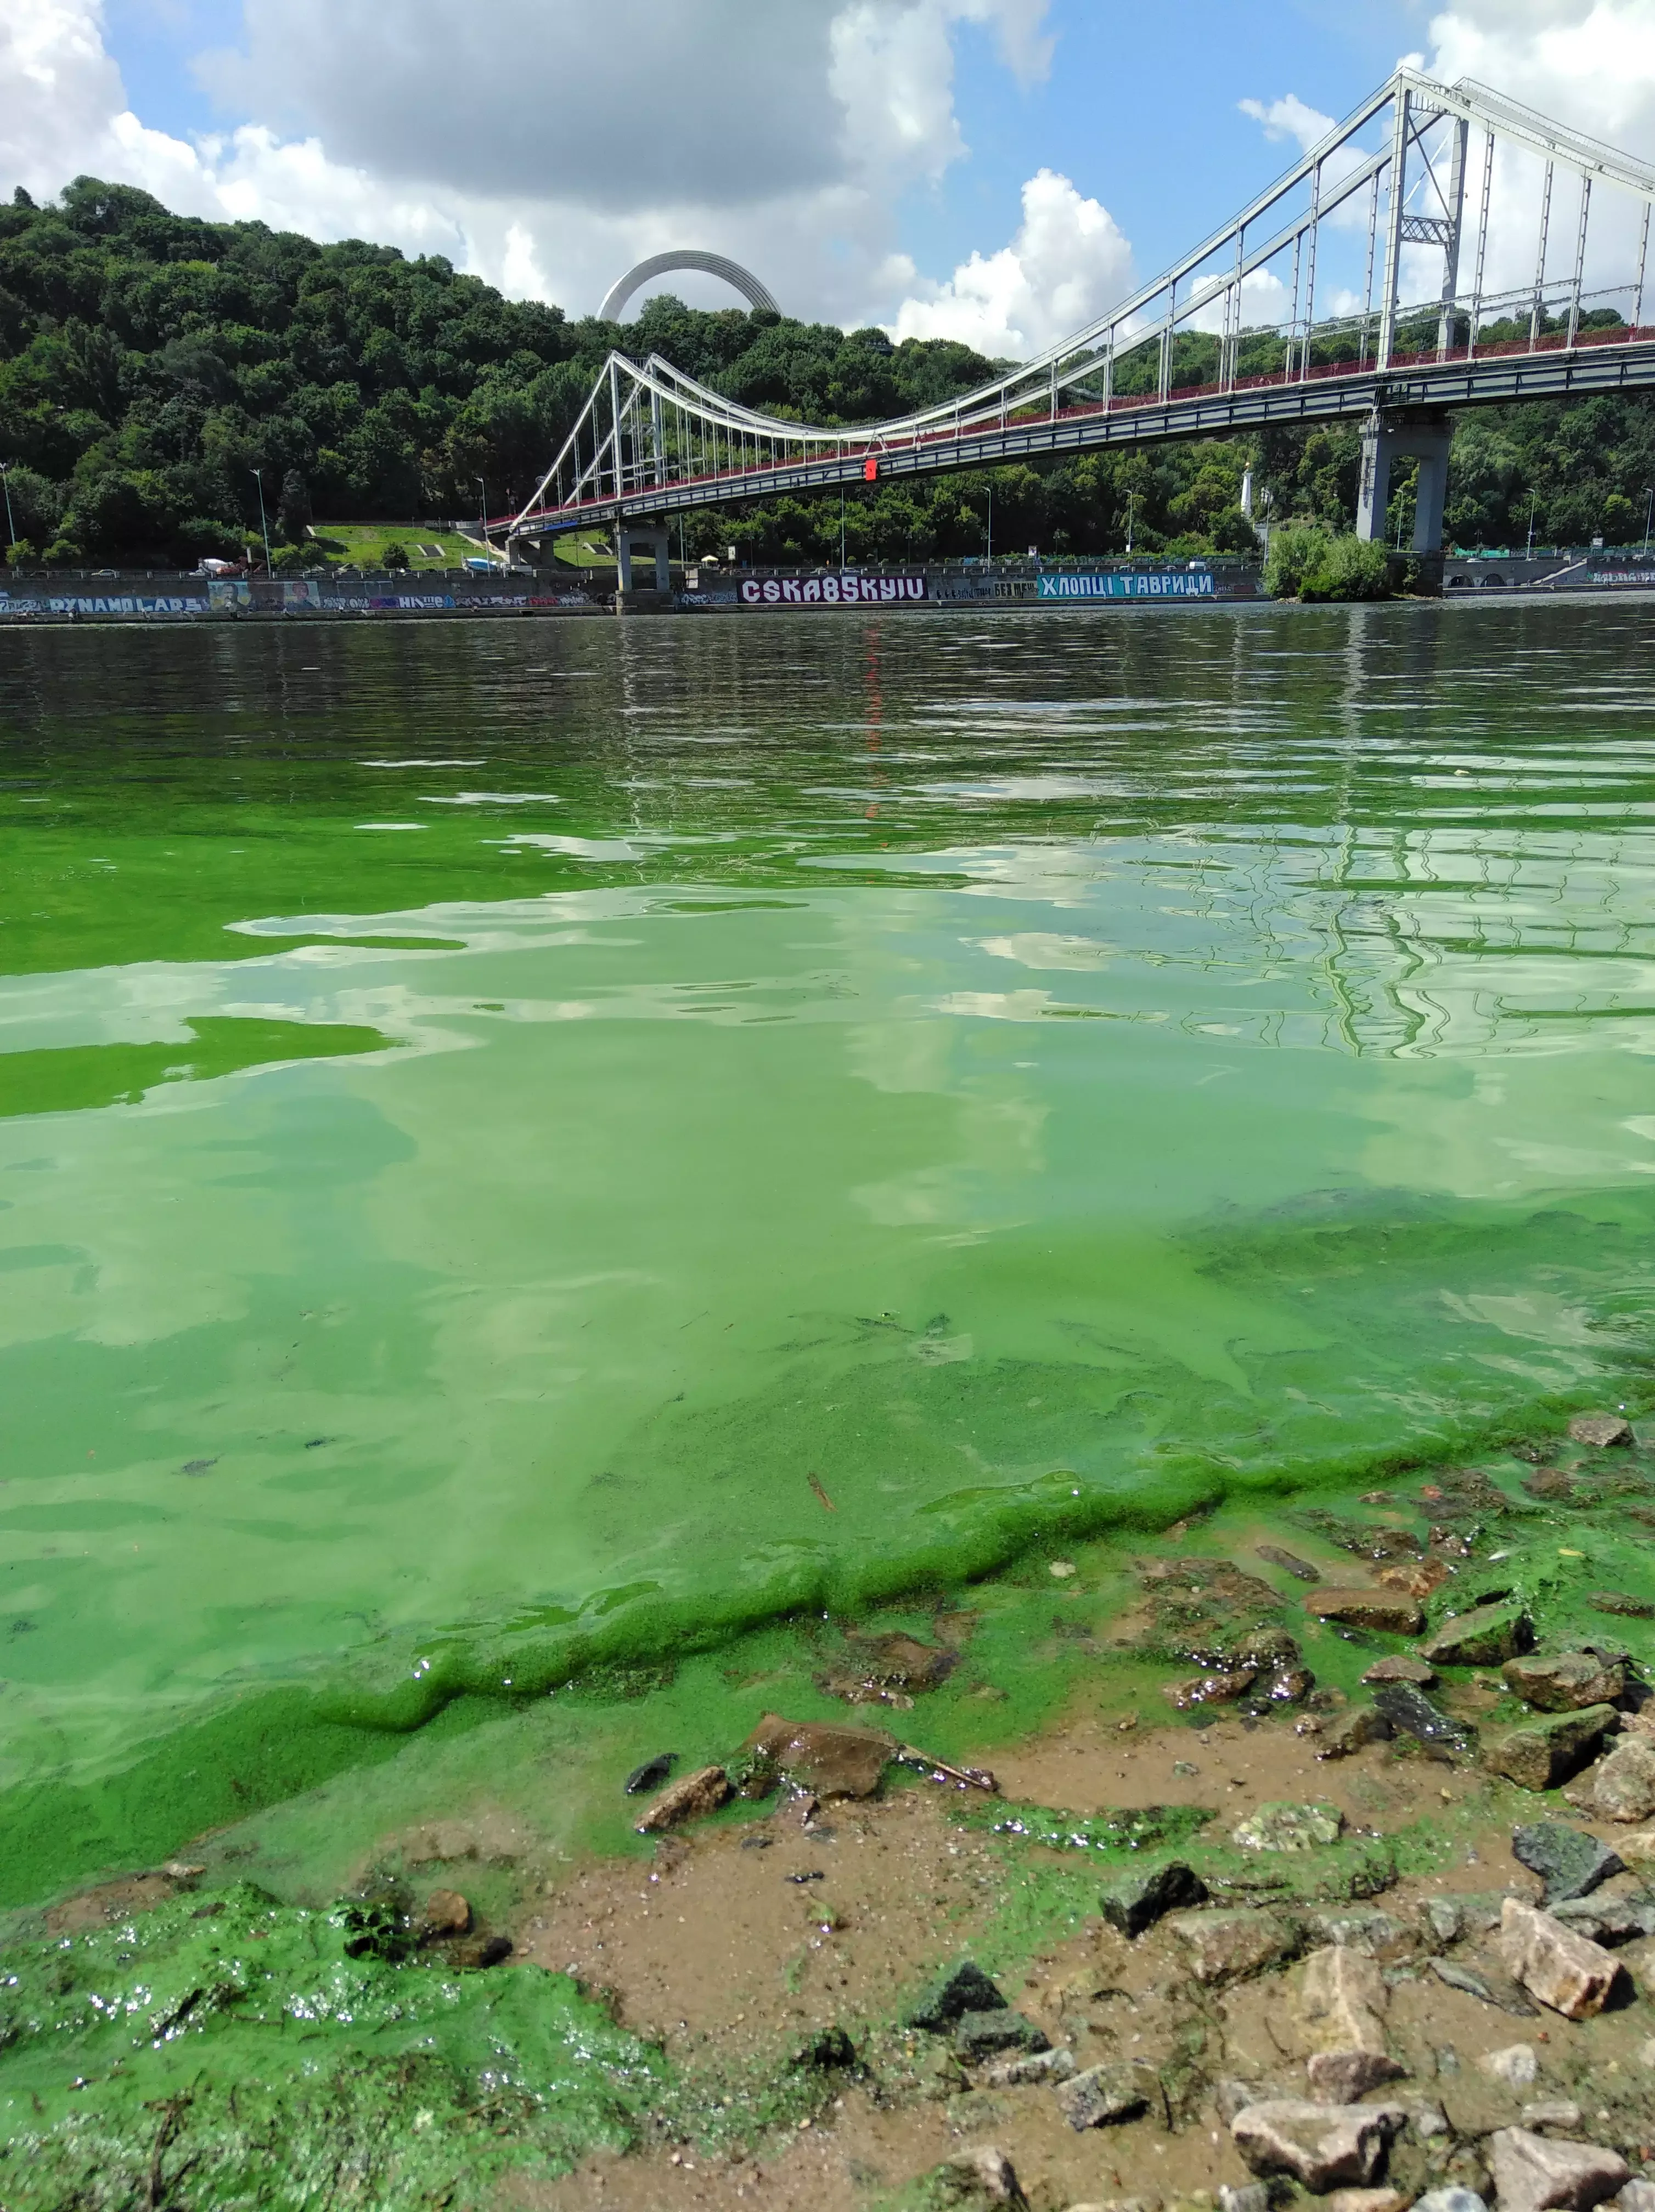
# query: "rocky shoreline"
(1331, 1880)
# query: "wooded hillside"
(150, 363)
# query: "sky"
(999, 171)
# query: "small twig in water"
(968, 1778)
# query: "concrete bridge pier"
(1411, 435)
(645, 538)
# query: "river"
(527, 1146)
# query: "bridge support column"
(1387, 438)
(651, 539)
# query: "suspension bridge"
(1443, 247)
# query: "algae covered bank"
(553, 1181)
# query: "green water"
(485, 1116)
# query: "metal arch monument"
(711, 265)
(1378, 264)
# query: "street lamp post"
(1534, 501)
(11, 527)
(1130, 498)
(264, 527)
(482, 514)
(991, 522)
(1649, 510)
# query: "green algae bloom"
(249, 2053)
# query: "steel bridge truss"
(1440, 199)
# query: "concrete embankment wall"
(148, 598)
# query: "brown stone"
(1623, 1787)
(1367, 2200)
(1544, 1752)
(1564, 1970)
(1418, 1578)
(1532, 2173)
(1301, 1570)
(1401, 1667)
(1217, 1688)
(1393, 1612)
(1353, 1731)
(886, 1670)
(703, 1791)
(973, 2177)
(823, 1756)
(1341, 2000)
(1622, 1603)
(110, 1900)
(1565, 1681)
(1322, 2147)
(1230, 1947)
(447, 1913)
(1104, 2095)
(1343, 2077)
(1601, 1429)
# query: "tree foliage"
(1307, 561)
(153, 366)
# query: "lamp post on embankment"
(264, 527)
(11, 527)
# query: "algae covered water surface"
(532, 1148)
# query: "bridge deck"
(1620, 361)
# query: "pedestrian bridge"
(1442, 247)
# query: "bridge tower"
(1389, 435)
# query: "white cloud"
(1590, 62)
(1289, 117)
(1067, 265)
(1587, 63)
(58, 88)
(1263, 301)
(550, 161)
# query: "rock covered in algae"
(1601, 1431)
(1548, 1750)
(1393, 1611)
(964, 1988)
(887, 1670)
(1570, 1863)
(1138, 1900)
(1104, 2095)
(971, 2181)
(1233, 1945)
(1283, 1827)
(1565, 1681)
(1485, 1637)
